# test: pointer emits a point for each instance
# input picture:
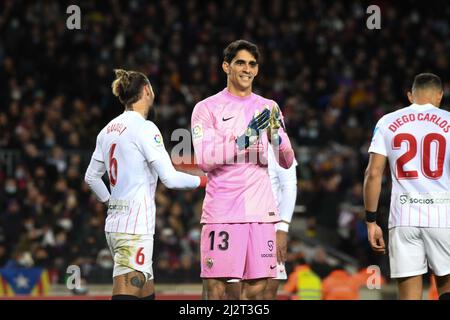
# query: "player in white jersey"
(416, 142)
(131, 150)
(284, 186)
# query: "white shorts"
(413, 249)
(131, 252)
(281, 272)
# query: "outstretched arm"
(156, 155)
(174, 179)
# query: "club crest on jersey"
(403, 198)
(197, 132)
(209, 262)
(157, 138)
(270, 245)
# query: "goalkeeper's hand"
(275, 123)
(251, 135)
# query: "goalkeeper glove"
(251, 135)
(275, 123)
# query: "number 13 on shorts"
(238, 250)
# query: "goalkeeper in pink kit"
(232, 131)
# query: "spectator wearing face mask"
(20, 259)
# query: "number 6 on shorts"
(140, 257)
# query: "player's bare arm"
(281, 246)
(372, 188)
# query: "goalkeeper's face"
(241, 70)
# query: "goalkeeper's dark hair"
(427, 81)
(233, 48)
(128, 86)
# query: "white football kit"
(416, 142)
(284, 187)
(131, 150)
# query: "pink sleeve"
(212, 148)
(284, 153)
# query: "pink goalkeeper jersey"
(238, 189)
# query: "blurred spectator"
(303, 283)
(20, 259)
(103, 268)
(368, 276)
(3, 254)
(320, 264)
(339, 285)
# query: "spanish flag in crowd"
(24, 281)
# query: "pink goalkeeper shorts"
(238, 251)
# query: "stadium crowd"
(331, 75)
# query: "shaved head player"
(415, 140)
